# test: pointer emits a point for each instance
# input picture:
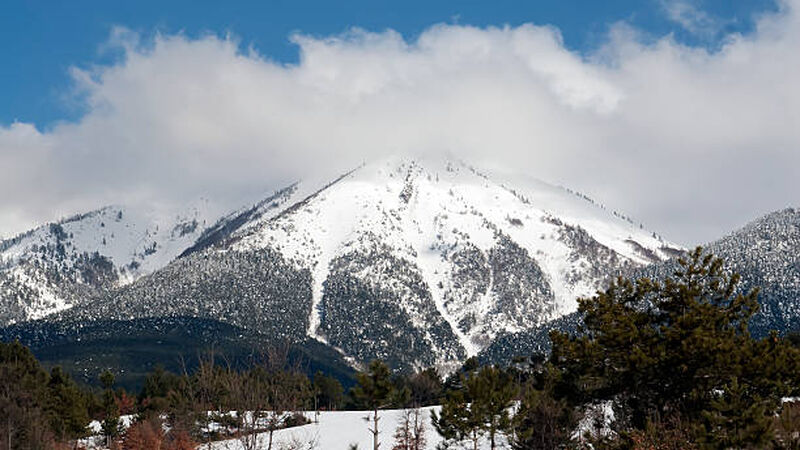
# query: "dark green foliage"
(478, 406)
(22, 397)
(493, 391)
(542, 421)
(457, 421)
(67, 404)
(37, 408)
(737, 419)
(110, 425)
(158, 385)
(329, 392)
(41, 410)
(107, 379)
(374, 389)
(135, 347)
(678, 347)
(425, 388)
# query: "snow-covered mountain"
(765, 252)
(55, 266)
(413, 261)
(450, 243)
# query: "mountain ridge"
(417, 261)
(765, 252)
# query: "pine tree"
(25, 402)
(68, 412)
(329, 391)
(110, 424)
(666, 349)
(459, 418)
(737, 419)
(477, 406)
(374, 392)
(493, 390)
(542, 422)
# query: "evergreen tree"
(478, 406)
(110, 425)
(542, 422)
(23, 399)
(374, 392)
(664, 349)
(493, 392)
(68, 411)
(459, 418)
(156, 389)
(736, 419)
(330, 393)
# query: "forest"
(673, 359)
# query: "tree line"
(42, 409)
(672, 362)
(658, 364)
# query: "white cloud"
(693, 19)
(693, 143)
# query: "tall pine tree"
(665, 349)
(374, 392)
(477, 406)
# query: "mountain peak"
(448, 223)
(419, 261)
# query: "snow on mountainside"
(446, 251)
(50, 268)
(765, 252)
(418, 262)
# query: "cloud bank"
(692, 142)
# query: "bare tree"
(298, 443)
(267, 396)
(249, 399)
(410, 432)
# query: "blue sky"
(41, 40)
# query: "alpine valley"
(418, 262)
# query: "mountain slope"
(417, 262)
(55, 266)
(765, 252)
(420, 263)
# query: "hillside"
(420, 263)
(765, 252)
(58, 265)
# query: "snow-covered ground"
(337, 430)
(340, 430)
(96, 439)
